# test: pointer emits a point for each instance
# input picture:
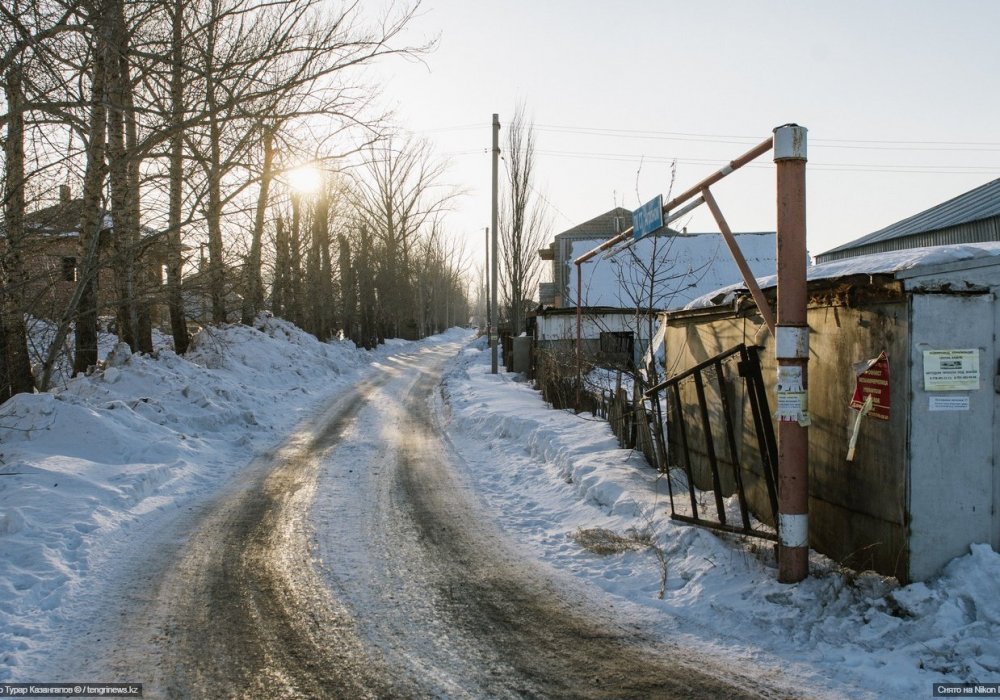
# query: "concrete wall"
(857, 509)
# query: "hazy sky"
(901, 99)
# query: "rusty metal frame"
(698, 190)
(789, 327)
(749, 369)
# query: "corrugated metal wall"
(974, 232)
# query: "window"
(619, 343)
(69, 269)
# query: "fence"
(633, 419)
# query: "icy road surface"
(353, 562)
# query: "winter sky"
(899, 98)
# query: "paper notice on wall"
(951, 370)
(789, 378)
(949, 403)
(793, 406)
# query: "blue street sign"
(648, 218)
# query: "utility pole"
(791, 344)
(494, 319)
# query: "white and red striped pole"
(792, 355)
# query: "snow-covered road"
(365, 529)
(452, 608)
(401, 587)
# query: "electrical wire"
(852, 144)
(875, 144)
(732, 138)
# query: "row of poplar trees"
(179, 121)
(373, 244)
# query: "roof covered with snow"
(686, 267)
(876, 264)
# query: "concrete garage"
(924, 483)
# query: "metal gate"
(748, 368)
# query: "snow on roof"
(688, 266)
(874, 264)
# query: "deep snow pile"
(549, 474)
(132, 442)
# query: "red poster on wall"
(873, 380)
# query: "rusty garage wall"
(858, 508)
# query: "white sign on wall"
(949, 403)
(951, 370)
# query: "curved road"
(353, 562)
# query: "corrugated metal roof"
(975, 205)
(868, 265)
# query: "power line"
(813, 165)
(541, 196)
(734, 138)
(941, 169)
(862, 144)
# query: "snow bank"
(85, 466)
(546, 474)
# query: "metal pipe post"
(494, 321)
(792, 355)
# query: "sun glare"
(305, 179)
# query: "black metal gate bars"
(748, 368)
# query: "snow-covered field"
(90, 467)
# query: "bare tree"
(398, 197)
(281, 64)
(253, 295)
(16, 368)
(33, 89)
(175, 216)
(198, 119)
(523, 225)
(92, 208)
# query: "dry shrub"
(602, 541)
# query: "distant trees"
(371, 251)
(178, 118)
(397, 200)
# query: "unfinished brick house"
(52, 259)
